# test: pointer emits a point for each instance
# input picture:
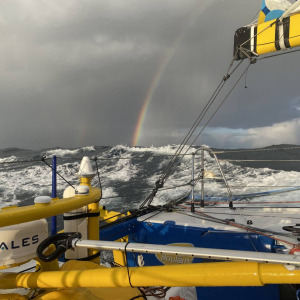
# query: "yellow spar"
(17, 215)
(267, 37)
(204, 274)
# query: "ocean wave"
(8, 159)
(167, 150)
(68, 152)
(128, 174)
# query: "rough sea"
(128, 174)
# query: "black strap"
(125, 249)
(61, 241)
(83, 215)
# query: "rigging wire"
(246, 79)
(201, 115)
(254, 17)
(167, 171)
(222, 102)
(44, 160)
(98, 173)
(22, 161)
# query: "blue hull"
(171, 233)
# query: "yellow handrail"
(204, 274)
(17, 215)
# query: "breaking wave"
(128, 174)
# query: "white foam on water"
(8, 159)
(5, 203)
(108, 195)
(123, 170)
(167, 150)
(33, 181)
(68, 152)
(88, 148)
(61, 152)
(36, 180)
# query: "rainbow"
(154, 83)
(159, 73)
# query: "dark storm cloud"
(76, 73)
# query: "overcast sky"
(75, 73)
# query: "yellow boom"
(204, 274)
(267, 37)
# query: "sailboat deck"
(267, 219)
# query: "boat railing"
(202, 172)
(241, 159)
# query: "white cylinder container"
(18, 243)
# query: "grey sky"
(76, 73)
